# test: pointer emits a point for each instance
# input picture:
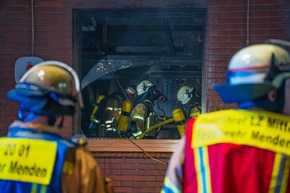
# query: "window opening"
(119, 49)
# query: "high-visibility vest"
(237, 151)
(32, 162)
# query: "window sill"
(135, 145)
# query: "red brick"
(226, 33)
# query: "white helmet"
(143, 87)
(131, 92)
(253, 72)
(184, 94)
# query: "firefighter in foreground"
(143, 115)
(189, 101)
(34, 157)
(246, 149)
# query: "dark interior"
(120, 48)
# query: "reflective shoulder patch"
(27, 160)
(265, 130)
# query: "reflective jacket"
(38, 159)
(233, 151)
(143, 117)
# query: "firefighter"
(124, 115)
(143, 115)
(189, 100)
(117, 111)
(34, 156)
(110, 114)
(96, 115)
(245, 149)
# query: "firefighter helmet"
(131, 92)
(143, 87)
(253, 72)
(184, 94)
(50, 87)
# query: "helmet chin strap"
(27, 116)
(264, 104)
(53, 121)
(142, 97)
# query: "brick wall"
(134, 172)
(230, 26)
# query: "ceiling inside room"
(166, 41)
(120, 48)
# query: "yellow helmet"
(49, 82)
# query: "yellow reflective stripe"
(137, 117)
(285, 175)
(43, 189)
(263, 130)
(275, 172)
(33, 188)
(202, 170)
(169, 185)
(137, 133)
(280, 173)
(194, 114)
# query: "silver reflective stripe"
(138, 117)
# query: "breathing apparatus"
(123, 123)
(97, 112)
(50, 88)
(180, 120)
(195, 111)
(126, 109)
(147, 90)
(253, 72)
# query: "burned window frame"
(161, 65)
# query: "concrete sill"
(135, 145)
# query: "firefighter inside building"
(189, 101)
(42, 159)
(110, 115)
(114, 116)
(245, 149)
(143, 115)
